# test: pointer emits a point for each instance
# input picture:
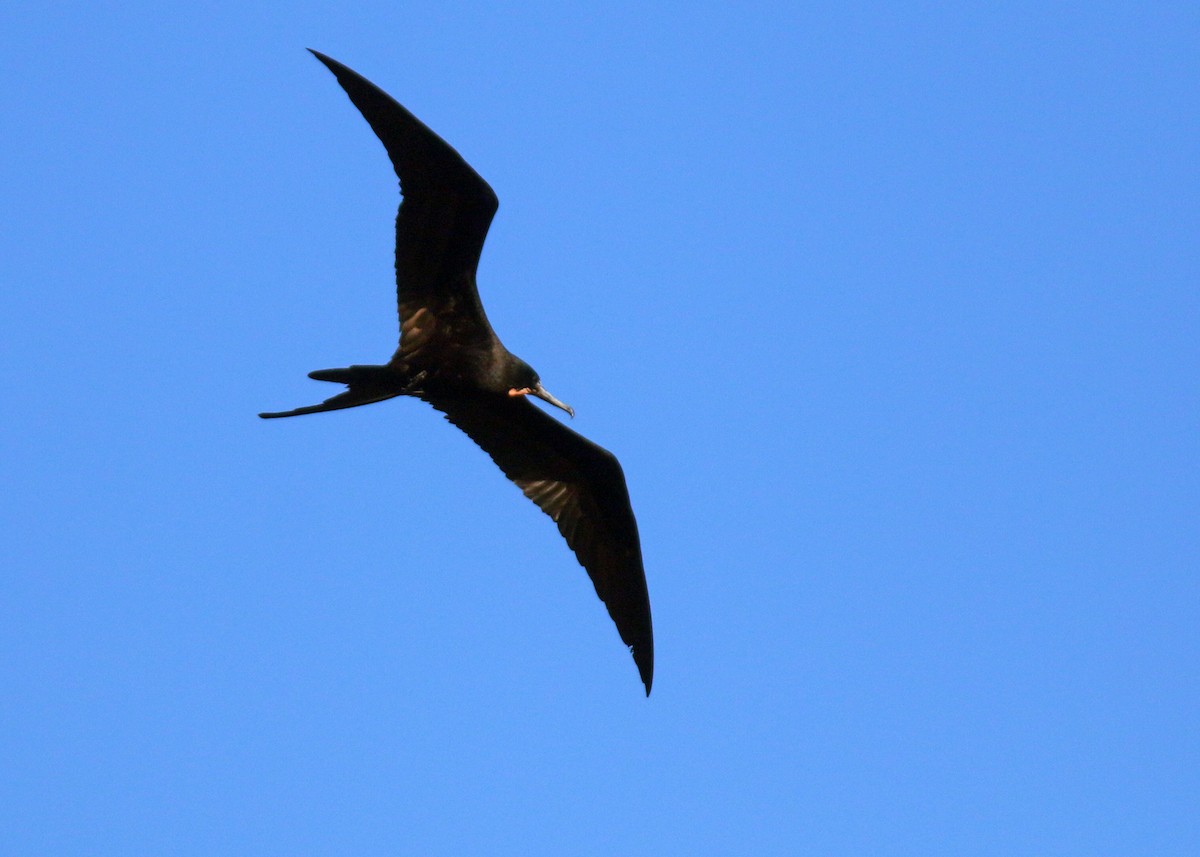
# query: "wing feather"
(441, 225)
(582, 487)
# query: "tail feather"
(367, 384)
(347, 376)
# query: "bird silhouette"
(450, 357)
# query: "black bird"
(450, 357)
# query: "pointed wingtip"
(645, 668)
(329, 62)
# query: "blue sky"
(890, 312)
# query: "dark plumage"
(450, 357)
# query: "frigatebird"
(450, 357)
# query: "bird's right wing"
(582, 487)
(440, 228)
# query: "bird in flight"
(450, 357)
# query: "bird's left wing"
(440, 227)
(582, 487)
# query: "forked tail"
(366, 384)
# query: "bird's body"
(450, 357)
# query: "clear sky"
(890, 311)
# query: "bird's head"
(523, 381)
